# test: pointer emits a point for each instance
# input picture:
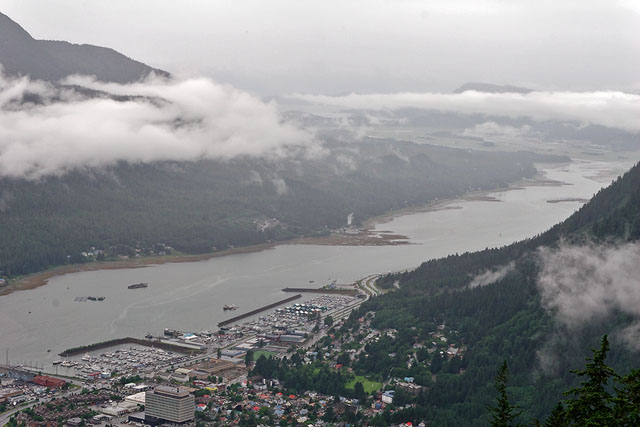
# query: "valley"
(191, 289)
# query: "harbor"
(120, 360)
(275, 332)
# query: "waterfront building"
(172, 404)
(47, 381)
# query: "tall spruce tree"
(627, 400)
(558, 417)
(593, 404)
(503, 413)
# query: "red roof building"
(50, 382)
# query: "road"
(4, 418)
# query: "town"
(312, 363)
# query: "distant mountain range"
(22, 55)
(491, 88)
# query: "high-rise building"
(173, 404)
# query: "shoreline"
(35, 280)
(539, 179)
(367, 237)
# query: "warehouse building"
(50, 382)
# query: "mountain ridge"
(491, 88)
(52, 60)
(507, 319)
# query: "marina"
(276, 330)
(118, 361)
(176, 347)
(258, 310)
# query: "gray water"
(190, 296)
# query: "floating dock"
(258, 310)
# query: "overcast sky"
(281, 46)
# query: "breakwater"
(258, 310)
(119, 341)
(350, 292)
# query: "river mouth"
(190, 296)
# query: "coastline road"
(4, 418)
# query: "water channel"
(190, 296)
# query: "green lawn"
(265, 353)
(368, 385)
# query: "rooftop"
(171, 391)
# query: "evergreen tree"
(436, 362)
(248, 358)
(358, 390)
(328, 321)
(504, 413)
(592, 404)
(627, 401)
(558, 417)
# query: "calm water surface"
(190, 296)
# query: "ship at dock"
(138, 285)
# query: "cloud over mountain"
(606, 108)
(579, 284)
(50, 130)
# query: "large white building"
(173, 404)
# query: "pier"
(118, 341)
(258, 310)
(350, 292)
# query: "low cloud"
(149, 121)
(255, 178)
(280, 185)
(581, 284)
(491, 276)
(495, 130)
(607, 108)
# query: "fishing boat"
(138, 285)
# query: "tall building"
(173, 404)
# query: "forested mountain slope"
(211, 205)
(505, 317)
